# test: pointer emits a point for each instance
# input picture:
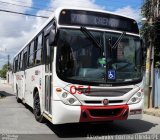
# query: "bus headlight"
(68, 98)
(136, 98)
(71, 100)
(64, 94)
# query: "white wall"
(9, 77)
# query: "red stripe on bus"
(103, 113)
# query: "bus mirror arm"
(51, 37)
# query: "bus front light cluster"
(68, 98)
(136, 98)
(71, 100)
(64, 94)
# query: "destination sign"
(97, 19)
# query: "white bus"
(83, 65)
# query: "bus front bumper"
(73, 114)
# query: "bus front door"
(48, 75)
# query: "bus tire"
(17, 98)
(37, 109)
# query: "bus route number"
(79, 89)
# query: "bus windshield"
(79, 60)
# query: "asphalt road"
(18, 119)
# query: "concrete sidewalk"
(152, 111)
(15, 118)
(5, 90)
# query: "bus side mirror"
(51, 37)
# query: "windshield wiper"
(118, 40)
(92, 38)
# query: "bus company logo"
(105, 101)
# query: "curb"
(151, 113)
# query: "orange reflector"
(58, 89)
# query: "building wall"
(9, 77)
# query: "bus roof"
(56, 14)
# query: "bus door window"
(48, 77)
(48, 64)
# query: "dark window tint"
(39, 42)
(47, 55)
(25, 58)
(21, 61)
(31, 60)
(31, 50)
(38, 50)
(38, 56)
(31, 55)
(16, 64)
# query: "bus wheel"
(37, 109)
(17, 98)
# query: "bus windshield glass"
(79, 60)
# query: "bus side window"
(21, 61)
(31, 55)
(25, 58)
(16, 64)
(38, 50)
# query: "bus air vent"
(107, 92)
(105, 112)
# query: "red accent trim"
(120, 115)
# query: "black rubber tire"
(17, 98)
(36, 108)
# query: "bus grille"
(105, 113)
(100, 102)
(106, 92)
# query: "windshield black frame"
(94, 83)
